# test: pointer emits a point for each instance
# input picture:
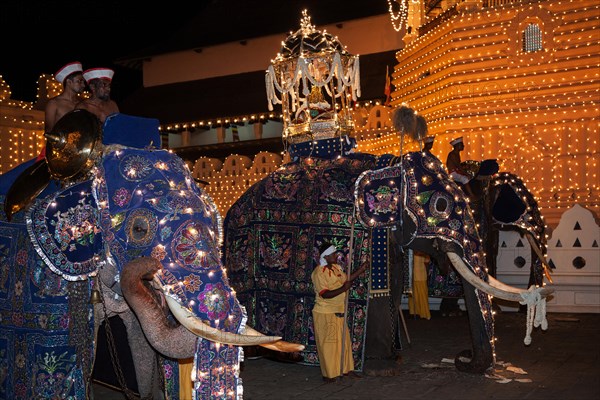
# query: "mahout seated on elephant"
(138, 221)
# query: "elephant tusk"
(544, 291)
(538, 251)
(494, 287)
(279, 345)
(205, 331)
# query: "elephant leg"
(145, 359)
(481, 356)
(381, 355)
(380, 329)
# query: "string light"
(398, 19)
(536, 114)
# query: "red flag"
(387, 89)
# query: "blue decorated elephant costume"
(46, 346)
(152, 236)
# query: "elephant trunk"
(167, 337)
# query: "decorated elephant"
(139, 222)
(272, 234)
(371, 208)
(273, 231)
(503, 202)
(499, 201)
(46, 341)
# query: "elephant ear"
(64, 230)
(377, 197)
(515, 205)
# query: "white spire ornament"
(317, 79)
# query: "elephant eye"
(441, 205)
(140, 227)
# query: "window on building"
(532, 38)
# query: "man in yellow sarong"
(331, 284)
(418, 303)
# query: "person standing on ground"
(331, 284)
(418, 302)
(100, 104)
(71, 77)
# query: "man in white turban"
(331, 284)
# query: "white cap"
(429, 139)
(67, 70)
(330, 250)
(98, 73)
(456, 141)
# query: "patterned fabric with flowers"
(272, 237)
(65, 232)
(46, 330)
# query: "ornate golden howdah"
(317, 79)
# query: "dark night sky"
(41, 36)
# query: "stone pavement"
(562, 363)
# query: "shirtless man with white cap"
(99, 104)
(71, 77)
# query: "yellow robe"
(185, 378)
(418, 303)
(328, 326)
